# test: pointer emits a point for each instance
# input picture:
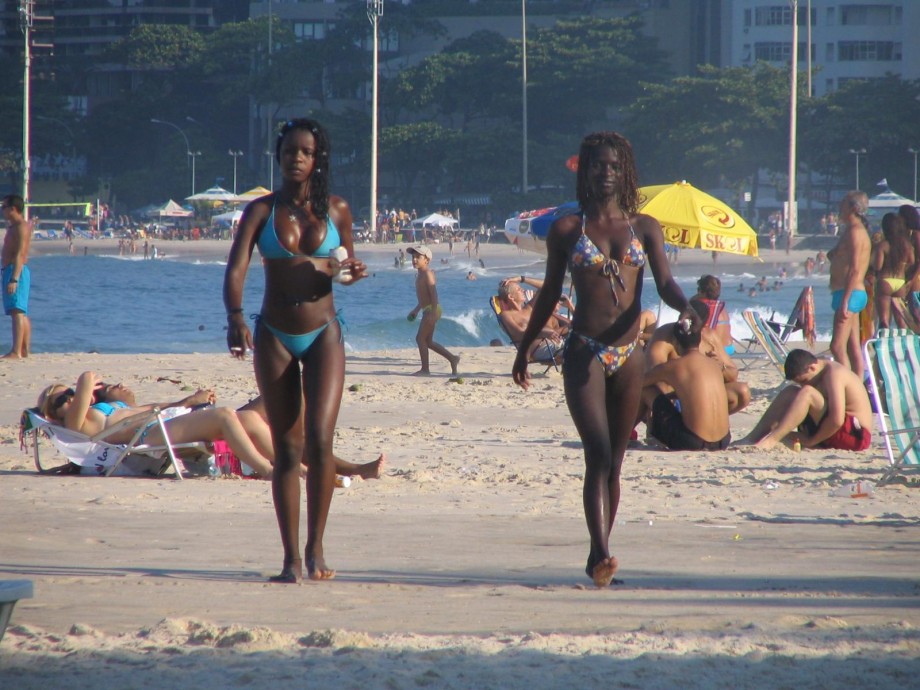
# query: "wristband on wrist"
(231, 312)
(522, 279)
(14, 280)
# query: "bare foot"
(317, 570)
(422, 372)
(767, 442)
(603, 571)
(290, 574)
(11, 355)
(372, 470)
(454, 361)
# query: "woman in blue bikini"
(606, 246)
(299, 355)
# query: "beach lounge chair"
(94, 455)
(547, 353)
(893, 364)
(768, 339)
(11, 591)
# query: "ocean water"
(113, 304)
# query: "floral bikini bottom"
(611, 357)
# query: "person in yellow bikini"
(892, 258)
(430, 308)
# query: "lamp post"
(793, 220)
(73, 139)
(857, 153)
(270, 155)
(235, 154)
(915, 152)
(188, 149)
(524, 182)
(193, 155)
(374, 13)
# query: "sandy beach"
(463, 566)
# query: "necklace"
(295, 212)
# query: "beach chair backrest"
(497, 310)
(97, 456)
(768, 339)
(893, 363)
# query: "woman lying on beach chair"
(78, 409)
(109, 404)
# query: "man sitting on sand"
(829, 407)
(663, 346)
(694, 414)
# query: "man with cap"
(428, 305)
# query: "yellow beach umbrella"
(692, 218)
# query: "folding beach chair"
(553, 353)
(893, 363)
(801, 318)
(768, 339)
(97, 456)
(12, 591)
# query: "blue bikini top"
(270, 246)
(108, 408)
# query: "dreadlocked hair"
(318, 195)
(629, 192)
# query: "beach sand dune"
(462, 567)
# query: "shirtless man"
(829, 407)
(15, 275)
(694, 415)
(663, 347)
(430, 308)
(849, 264)
(515, 316)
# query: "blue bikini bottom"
(299, 344)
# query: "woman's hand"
(519, 370)
(200, 397)
(354, 266)
(239, 338)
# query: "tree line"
(451, 125)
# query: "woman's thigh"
(323, 383)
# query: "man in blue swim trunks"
(15, 275)
(849, 262)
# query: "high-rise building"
(849, 40)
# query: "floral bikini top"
(586, 253)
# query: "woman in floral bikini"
(606, 246)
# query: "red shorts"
(850, 436)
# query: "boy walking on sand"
(431, 311)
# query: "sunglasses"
(62, 398)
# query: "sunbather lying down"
(92, 406)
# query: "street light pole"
(235, 154)
(374, 13)
(793, 113)
(188, 149)
(270, 155)
(194, 155)
(73, 139)
(915, 152)
(524, 183)
(857, 153)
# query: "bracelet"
(231, 312)
(14, 280)
(522, 279)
